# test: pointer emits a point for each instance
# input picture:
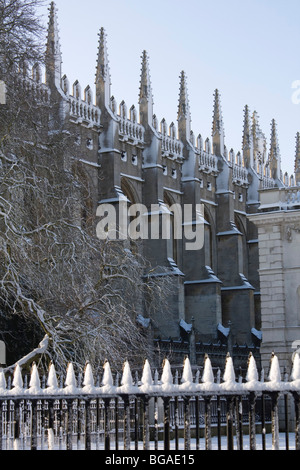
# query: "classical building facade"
(278, 225)
(127, 154)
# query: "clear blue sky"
(249, 50)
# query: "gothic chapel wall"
(127, 153)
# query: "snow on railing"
(80, 414)
(209, 384)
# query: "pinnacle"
(246, 128)
(183, 107)
(145, 83)
(297, 157)
(102, 69)
(274, 147)
(217, 114)
(53, 40)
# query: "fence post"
(1, 424)
(146, 436)
(106, 424)
(33, 425)
(17, 430)
(166, 423)
(136, 424)
(252, 425)
(176, 423)
(117, 423)
(126, 423)
(187, 423)
(219, 422)
(88, 425)
(275, 425)
(239, 422)
(197, 422)
(69, 425)
(286, 420)
(297, 420)
(207, 401)
(229, 418)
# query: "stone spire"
(297, 159)
(218, 134)
(274, 154)
(247, 145)
(184, 115)
(103, 80)
(145, 96)
(53, 50)
(259, 143)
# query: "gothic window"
(128, 192)
(242, 247)
(171, 242)
(208, 242)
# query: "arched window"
(128, 192)
(242, 246)
(208, 242)
(171, 241)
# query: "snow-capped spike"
(88, 376)
(127, 377)
(295, 375)
(70, 377)
(252, 374)
(208, 375)
(52, 378)
(229, 374)
(274, 374)
(17, 378)
(167, 377)
(187, 375)
(147, 375)
(2, 380)
(107, 376)
(34, 383)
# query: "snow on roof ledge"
(186, 326)
(145, 322)
(223, 330)
(256, 333)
